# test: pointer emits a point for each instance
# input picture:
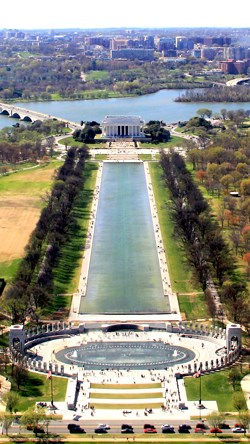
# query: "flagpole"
(200, 397)
(51, 390)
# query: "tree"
(246, 258)
(234, 377)
(204, 112)
(20, 374)
(215, 419)
(6, 420)
(33, 417)
(239, 402)
(11, 400)
(244, 419)
(245, 187)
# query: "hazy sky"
(53, 14)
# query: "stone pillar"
(233, 335)
(62, 370)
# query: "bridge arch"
(27, 119)
(5, 112)
(15, 116)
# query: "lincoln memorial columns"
(122, 127)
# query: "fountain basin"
(125, 355)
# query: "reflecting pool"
(124, 273)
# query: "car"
(104, 426)
(184, 428)
(129, 430)
(75, 428)
(38, 429)
(149, 428)
(100, 430)
(199, 430)
(238, 430)
(167, 429)
(187, 426)
(126, 428)
(224, 426)
(215, 430)
(201, 425)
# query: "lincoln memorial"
(122, 127)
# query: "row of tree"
(217, 94)
(32, 288)
(22, 143)
(207, 251)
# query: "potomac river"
(157, 106)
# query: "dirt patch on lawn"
(16, 225)
(20, 209)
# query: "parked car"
(199, 430)
(149, 428)
(100, 430)
(38, 429)
(104, 426)
(201, 425)
(184, 428)
(126, 428)
(167, 429)
(223, 425)
(238, 430)
(215, 430)
(75, 428)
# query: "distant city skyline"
(54, 14)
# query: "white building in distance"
(114, 127)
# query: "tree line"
(238, 93)
(32, 288)
(207, 251)
(23, 143)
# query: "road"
(60, 427)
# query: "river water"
(157, 106)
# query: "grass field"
(125, 386)
(108, 396)
(214, 387)
(20, 206)
(122, 406)
(37, 388)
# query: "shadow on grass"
(33, 387)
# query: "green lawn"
(146, 157)
(128, 406)
(131, 395)
(193, 305)
(125, 386)
(8, 269)
(213, 387)
(38, 388)
(30, 182)
(181, 275)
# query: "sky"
(58, 14)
